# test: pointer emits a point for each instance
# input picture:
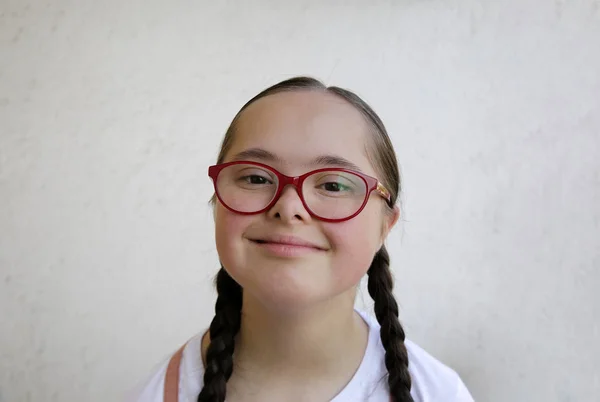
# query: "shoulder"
(191, 371)
(432, 380)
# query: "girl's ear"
(390, 220)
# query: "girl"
(306, 185)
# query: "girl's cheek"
(229, 228)
(355, 243)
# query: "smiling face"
(295, 132)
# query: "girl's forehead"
(302, 126)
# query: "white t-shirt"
(432, 381)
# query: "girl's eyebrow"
(257, 153)
(335, 161)
(320, 161)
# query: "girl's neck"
(314, 340)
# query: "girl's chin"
(289, 296)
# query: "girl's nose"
(289, 207)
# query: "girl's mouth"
(287, 247)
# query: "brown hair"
(226, 322)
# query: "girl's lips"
(287, 241)
(286, 249)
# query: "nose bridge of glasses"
(294, 181)
(285, 181)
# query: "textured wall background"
(110, 112)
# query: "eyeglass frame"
(371, 183)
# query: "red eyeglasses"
(329, 194)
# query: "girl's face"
(295, 132)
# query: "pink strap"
(171, 392)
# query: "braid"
(380, 288)
(223, 329)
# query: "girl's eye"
(334, 187)
(255, 179)
(335, 184)
(250, 176)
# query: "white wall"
(110, 112)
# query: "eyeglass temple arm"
(384, 193)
